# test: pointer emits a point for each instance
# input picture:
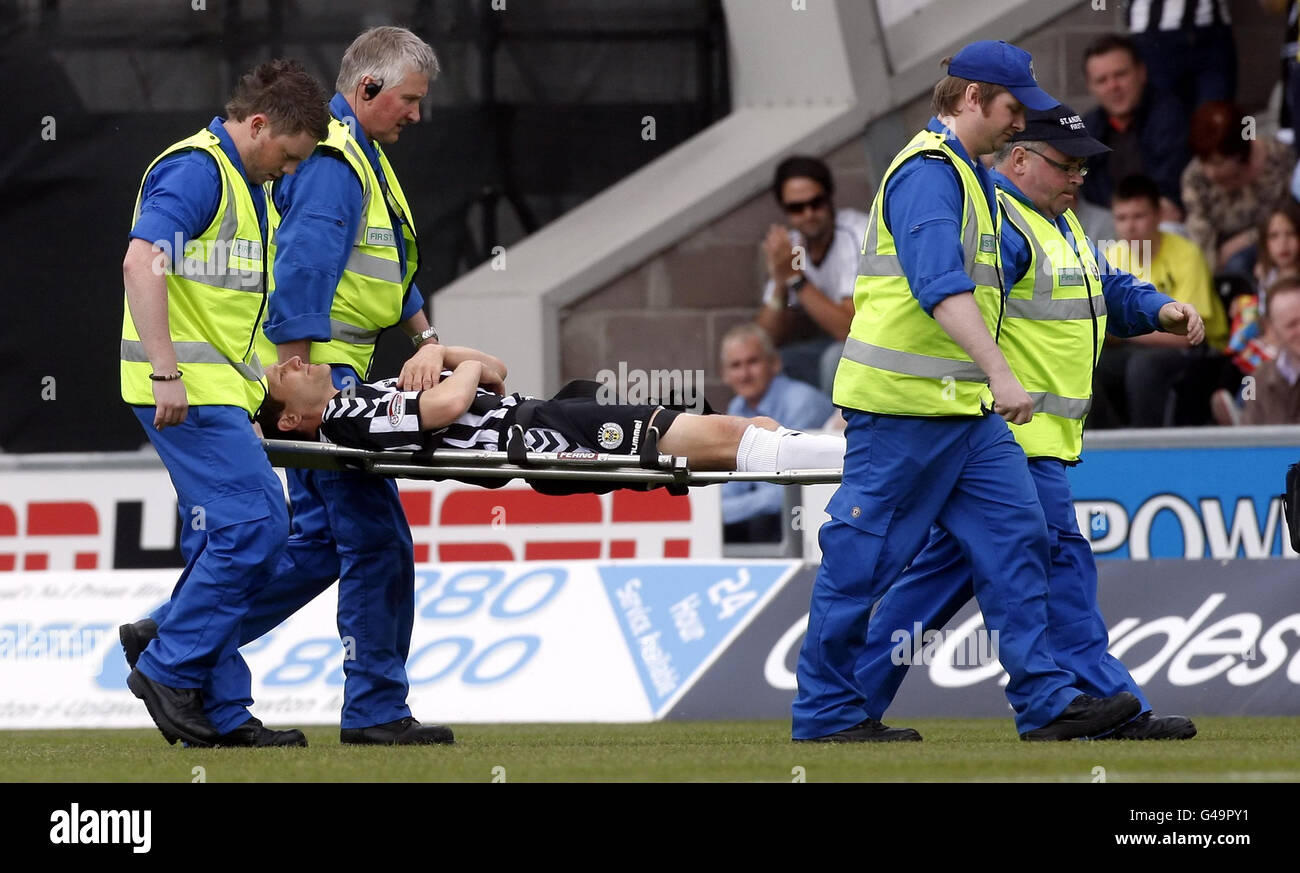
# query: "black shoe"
(252, 733)
(178, 712)
(1149, 727)
(403, 732)
(1086, 717)
(868, 731)
(135, 637)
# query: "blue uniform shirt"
(182, 193)
(795, 405)
(320, 210)
(923, 206)
(1132, 306)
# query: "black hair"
(1136, 186)
(802, 166)
(1107, 43)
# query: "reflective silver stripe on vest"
(358, 336)
(1043, 306)
(1064, 407)
(872, 264)
(216, 270)
(366, 190)
(194, 353)
(359, 262)
(985, 274)
(1055, 310)
(910, 363)
(373, 267)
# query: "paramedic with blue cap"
(1061, 302)
(921, 371)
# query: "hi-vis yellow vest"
(1052, 330)
(216, 292)
(373, 286)
(898, 360)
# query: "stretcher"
(649, 469)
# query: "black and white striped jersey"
(377, 416)
(1152, 15)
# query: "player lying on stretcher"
(469, 409)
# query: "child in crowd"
(1251, 343)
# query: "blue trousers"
(350, 527)
(939, 583)
(902, 475)
(234, 518)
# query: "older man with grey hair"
(1061, 299)
(343, 255)
(344, 259)
(751, 367)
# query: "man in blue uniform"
(919, 365)
(195, 291)
(344, 255)
(1061, 301)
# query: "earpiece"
(372, 89)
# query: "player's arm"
(451, 398)
(494, 369)
(455, 355)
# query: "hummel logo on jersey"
(352, 407)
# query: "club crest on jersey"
(610, 435)
(396, 409)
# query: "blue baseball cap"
(1001, 63)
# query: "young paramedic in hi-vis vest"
(343, 254)
(920, 374)
(1062, 299)
(195, 277)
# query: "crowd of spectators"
(1197, 196)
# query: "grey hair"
(1005, 152)
(385, 54)
(749, 330)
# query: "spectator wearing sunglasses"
(811, 266)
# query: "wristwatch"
(795, 282)
(428, 333)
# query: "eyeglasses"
(1081, 168)
(795, 208)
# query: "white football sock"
(809, 451)
(768, 451)
(757, 452)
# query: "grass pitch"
(954, 750)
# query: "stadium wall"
(654, 271)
